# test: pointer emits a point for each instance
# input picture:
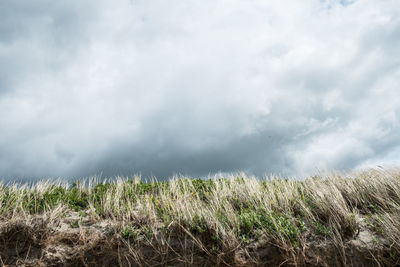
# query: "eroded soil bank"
(41, 241)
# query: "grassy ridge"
(234, 220)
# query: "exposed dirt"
(43, 242)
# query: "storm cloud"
(197, 87)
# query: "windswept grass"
(236, 220)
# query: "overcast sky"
(196, 87)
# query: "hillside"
(338, 219)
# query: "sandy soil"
(41, 241)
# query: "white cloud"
(197, 86)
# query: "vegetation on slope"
(338, 219)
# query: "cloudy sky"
(196, 87)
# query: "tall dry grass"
(236, 220)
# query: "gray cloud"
(158, 87)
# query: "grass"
(230, 220)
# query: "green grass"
(224, 213)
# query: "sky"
(193, 87)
